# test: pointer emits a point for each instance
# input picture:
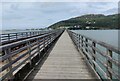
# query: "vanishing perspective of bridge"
(57, 55)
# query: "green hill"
(98, 21)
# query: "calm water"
(107, 36)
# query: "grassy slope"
(102, 21)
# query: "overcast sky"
(35, 14)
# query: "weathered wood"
(25, 53)
(12, 37)
(94, 54)
(109, 64)
(87, 46)
(64, 62)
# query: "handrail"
(19, 35)
(102, 62)
(14, 58)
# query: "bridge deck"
(64, 62)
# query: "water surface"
(107, 36)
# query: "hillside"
(98, 21)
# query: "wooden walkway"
(64, 62)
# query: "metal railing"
(19, 35)
(16, 55)
(102, 57)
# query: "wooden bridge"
(73, 56)
(63, 62)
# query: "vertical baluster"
(86, 41)
(9, 60)
(0, 39)
(44, 43)
(16, 35)
(8, 37)
(82, 43)
(33, 33)
(29, 51)
(76, 39)
(26, 34)
(49, 39)
(94, 54)
(73, 37)
(79, 42)
(109, 64)
(22, 35)
(30, 34)
(38, 43)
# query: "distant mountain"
(98, 21)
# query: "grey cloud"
(111, 11)
(45, 14)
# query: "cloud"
(111, 11)
(42, 14)
(60, 0)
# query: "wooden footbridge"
(58, 55)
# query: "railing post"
(86, 41)
(0, 39)
(49, 39)
(22, 34)
(16, 35)
(8, 37)
(38, 47)
(44, 44)
(33, 33)
(109, 64)
(82, 43)
(30, 33)
(94, 54)
(76, 39)
(26, 34)
(29, 51)
(79, 42)
(9, 60)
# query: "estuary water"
(108, 36)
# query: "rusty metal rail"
(102, 57)
(14, 59)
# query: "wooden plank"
(64, 62)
